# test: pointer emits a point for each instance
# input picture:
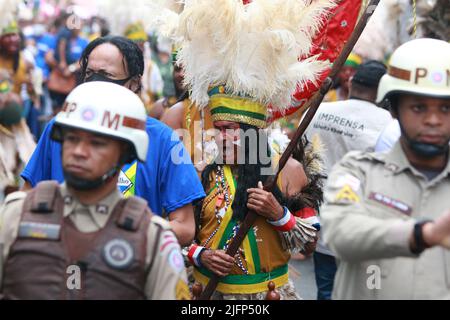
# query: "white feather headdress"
(8, 11)
(251, 49)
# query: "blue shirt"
(45, 43)
(164, 183)
(74, 46)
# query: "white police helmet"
(107, 109)
(420, 66)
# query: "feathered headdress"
(240, 58)
(8, 11)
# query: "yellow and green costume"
(262, 255)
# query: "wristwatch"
(420, 244)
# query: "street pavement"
(302, 274)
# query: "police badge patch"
(176, 260)
(118, 254)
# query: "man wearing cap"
(344, 126)
(387, 215)
(11, 58)
(82, 239)
(344, 76)
(16, 142)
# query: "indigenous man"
(236, 77)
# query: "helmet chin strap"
(422, 149)
(85, 184)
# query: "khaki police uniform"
(372, 203)
(167, 277)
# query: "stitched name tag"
(391, 203)
(39, 230)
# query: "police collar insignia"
(101, 208)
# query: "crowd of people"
(136, 158)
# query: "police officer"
(387, 216)
(82, 239)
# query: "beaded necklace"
(223, 195)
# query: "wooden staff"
(312, 105)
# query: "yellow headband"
(227, 107)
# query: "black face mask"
(422, 149)
(427, 150)
(101, 77)
(11, 113)
(85, 184)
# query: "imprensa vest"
(49, 250)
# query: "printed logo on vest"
(124, 182)
(118, 253)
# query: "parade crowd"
(133, 151)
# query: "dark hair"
(133, 58)
(368, 74)
(248, 175)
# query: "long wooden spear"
(312, 105)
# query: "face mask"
(10, 114)
(100, 77)
(427, 150)
(85, 184)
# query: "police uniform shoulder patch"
(346, 195)
(175, 260)
(348, 179)
(118, 253)
(170, 251)
(168, 241)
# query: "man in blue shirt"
(45, 42)
(167, 180)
